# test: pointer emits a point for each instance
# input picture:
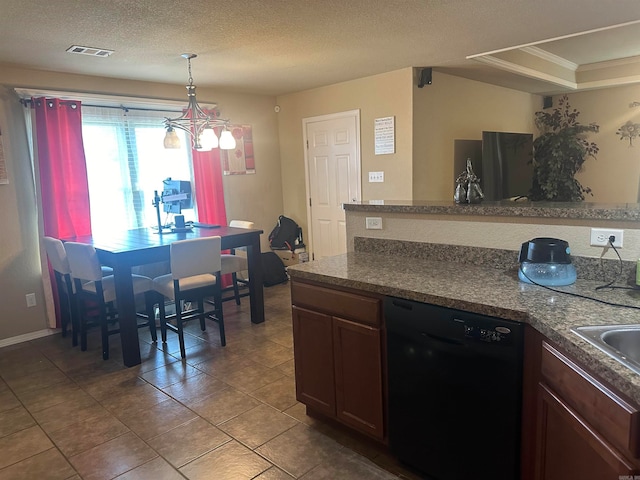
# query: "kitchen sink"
(621, 342)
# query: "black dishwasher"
(455, 391)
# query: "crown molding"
(550, 57)
(617, 62)
(526, 71)
(609, 82)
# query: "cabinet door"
(569, 448)
(610, 415)
(313, 358)
(358, 367)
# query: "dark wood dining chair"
(195, 275)
(96, 295)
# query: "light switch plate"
(374, 223)
(376, 177)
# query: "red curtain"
(207, 178)
(63, 172)
(62, 166)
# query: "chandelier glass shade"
(199, 123)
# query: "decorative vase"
(468, 186)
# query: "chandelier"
(198, 123)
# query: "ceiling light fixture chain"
(198, 123)
(189, 56)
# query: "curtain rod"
(26, 102)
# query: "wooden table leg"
(127, 315)
(256, 292)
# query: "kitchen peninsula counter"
(488, 290)
(558, 210)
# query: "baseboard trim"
(28, 336)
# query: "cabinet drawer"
(335, 302)
(615, 419)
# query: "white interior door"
(333, 178)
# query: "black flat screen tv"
(507, 172)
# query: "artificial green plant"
(558, 154)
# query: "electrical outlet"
(376, 177)
(374, 223)
(600, 237)
(31, 299)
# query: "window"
(126, 163)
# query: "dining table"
(123, 250)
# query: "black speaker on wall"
(425, 77)
(547, 102)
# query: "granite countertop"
(491, 291)
(506, 208)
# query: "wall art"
(629, 131)
(239, 161)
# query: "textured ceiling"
(282, 46)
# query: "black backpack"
(273, 270)
(286, 235)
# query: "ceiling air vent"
(94, 52)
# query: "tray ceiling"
(285, 46)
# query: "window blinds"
(126, 163)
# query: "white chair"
(62, 272)
(93, 291)
(195, 274)
(234, 263)
(57, 256)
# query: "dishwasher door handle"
(438, 338)
(402, 304)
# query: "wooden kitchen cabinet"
(338, 351)
(358, 374)
(583, 428)
(568, 447)
(313, 346)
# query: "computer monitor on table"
(176, 196)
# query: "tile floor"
(224, 413)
